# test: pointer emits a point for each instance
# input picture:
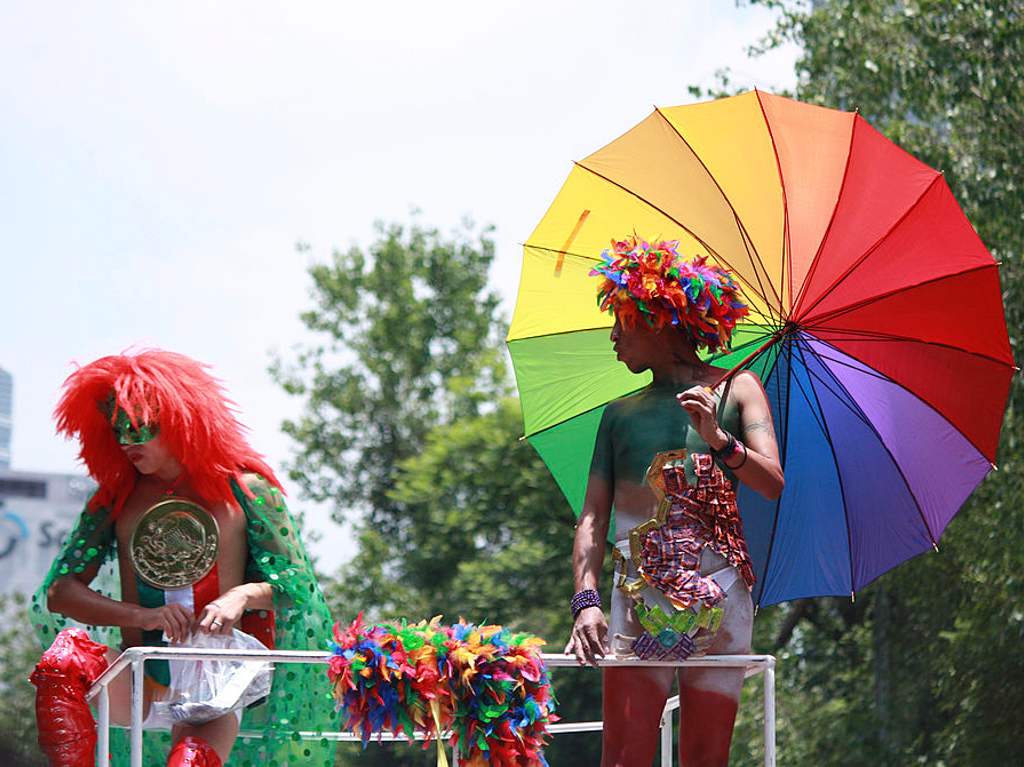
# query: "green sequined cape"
(300, 700)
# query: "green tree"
(19, 652)
(406, 339)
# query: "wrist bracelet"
(584, 599)
(740, 464)
(728, 450)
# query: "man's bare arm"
(591, 533)
(757, 462)
(761, 470)
(764, 424)
(590, 630)
(74, 598)
(221, 615)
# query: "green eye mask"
(124, 431)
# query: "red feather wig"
(196, 422)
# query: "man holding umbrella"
(667, 459)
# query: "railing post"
(103, 728)
(666, 739)
(769, 713)
(136, 737)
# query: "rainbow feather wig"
(650, 282)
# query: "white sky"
(158, 162)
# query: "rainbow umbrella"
(876, 324)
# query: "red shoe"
(191, 751)
(67, 731)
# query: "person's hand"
(589, 639)
(221, 615)
(174, 620)
(700, 405)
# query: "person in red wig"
(187, 533)
(669, 459)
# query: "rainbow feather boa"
(484, 686)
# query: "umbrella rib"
(866, 370)
(786, 248)
(909, 391)
(785, 453)
(818, 418)
(892, 458)
(558, 252)
(851, 406)
(878, 243)
(745, 345)
(745, 235)
(855, 409)
(809, 322)
(746, 239)
(835, 462)
(878, 335)
(686, 229)
(821, 244)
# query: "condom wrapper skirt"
(674, 605)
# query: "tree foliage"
(19, 651)
(405, 340)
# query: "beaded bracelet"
(581, 600)
(728, 450)
(741, 463)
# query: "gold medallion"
(174, 544)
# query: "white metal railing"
(134, 657)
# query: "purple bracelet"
(581, 600)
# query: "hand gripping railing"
(134, 657)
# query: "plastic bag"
(203, 690)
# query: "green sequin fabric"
(300, 700)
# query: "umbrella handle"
(775, 338)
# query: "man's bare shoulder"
(747, 387)
(140, 499)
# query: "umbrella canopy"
(876, 324)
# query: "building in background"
(37, 510)
(6, 417)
